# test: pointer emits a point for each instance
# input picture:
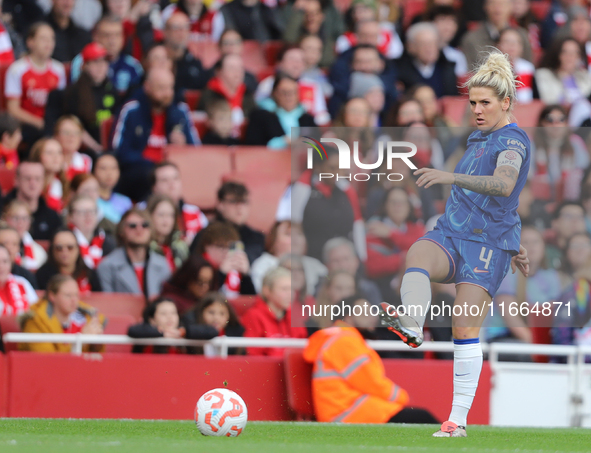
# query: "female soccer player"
(477, 239)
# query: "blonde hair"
(496, 73)
(273, 275)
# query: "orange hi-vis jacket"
(349, 384)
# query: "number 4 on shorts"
(486, 260)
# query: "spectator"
(358, 115)
(498, 16)
(141, 23)
(576, 254)
(311, 45)
(560, 156)
(38, 70)
(29, 254)
(156, 57)
(253, 19)
(299, 286)
(314, 270)
(364, 395)
(389, 236)
(86, 185)
(69, 38)
(364, 28)
(112, 204)
(309, 18)
(65, 258)
(124, 70)
(233, 206)
(425, 63)
(166, 180)
(362, 58)
(23, 13)
(586, 203)
(325, 209)
(338, 254)
(215, 311)
(16, 293)
(230, 42)
(10, 138)
(166, 237)
(92, 98)
(28, 189)
(542, 284)
(524, 18)
(219, 124)
(557, 17)
(200, 16)
(273, 124)
(445, 19)
(161, 319)
(337, 286)
(50, 154)
(562, 77)
(277, 244)
(511, 43)
(6, 33)
(189, 72)
(160, 121)
(220, 246)
(131, 268)
(69, 132)
(567, 220)
(291, 63)
(370, 88)
(407, 111)
(62, 312)
(433, 117)
(189, 284)
(94, 242)
(270, 316)
(229, 83)
(9, 238)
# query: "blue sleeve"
(514, 139)
(189, 129)
(76, 68)
(125, 143)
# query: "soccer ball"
(221, 412)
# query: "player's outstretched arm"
(500, 184)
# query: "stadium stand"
(298, 382)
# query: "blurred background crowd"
(113, 113)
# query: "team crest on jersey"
(479, 152)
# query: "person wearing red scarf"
(220, 245)
(16, 293)
(228, 83)
(10, 138)
(270, 317)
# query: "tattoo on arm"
(499, 185)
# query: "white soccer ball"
(221, 412)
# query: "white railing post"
(77, 346)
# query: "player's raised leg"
(425, 262)
(467, 357)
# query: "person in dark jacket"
(64, 257)
(253, 19)
(279, 117)
(144, 127)
(161, 320)
(234, 207)
(219, 122)
(69, 38)
(29, 182)
(189, 72)
(92, 98)
(424, 63)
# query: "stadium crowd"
(94, 92)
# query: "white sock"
(467, 367)
(415, 292)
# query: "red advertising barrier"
(3, 386)
(167, 387)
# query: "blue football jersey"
(483, 218)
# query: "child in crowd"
(10, 138)
(112, 204)
(219, 122)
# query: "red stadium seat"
(540, 9)
(43, 243)
(9, 324)
(272, 49)
(298, 380)
(250, 158)
(265, 190)
(411, 9)
(7, 177)
(241, 304)
(192, 98)
(201, 171)
(254, 56)
(527, 115)
(118, 325)
(265, 72)
(206, 51)
(201, 126)
(68, 69)
(454, 107)
(117, 304)
(106, 128)
(3, 69)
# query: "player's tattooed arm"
(500, 184)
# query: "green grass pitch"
(128, 436)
